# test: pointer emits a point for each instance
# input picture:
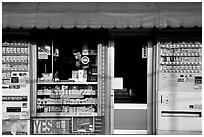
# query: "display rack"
(180, 57)
(75, 97)
(69, 83)
(15, 58)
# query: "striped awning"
(101, 14)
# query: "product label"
(83, 124)
(52, 126)
(14, 98)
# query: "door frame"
(151, 96)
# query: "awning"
(101, 14)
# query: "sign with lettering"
(51, 126)
(14, 98)
(83, 124)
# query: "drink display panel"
(180, 66)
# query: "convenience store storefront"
(75, 52)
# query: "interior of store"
(132, 67)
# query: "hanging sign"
(43, 52)
(85, 60)
(144, 52)
(51, 126)
(83, 124)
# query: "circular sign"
(85, 60)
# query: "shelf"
(180, 46)
(64, 83)
(53, 104)
(180, 63)
(61, 114)
(5, 78)
(182, 55)
(180, 71)
(67, 96)
(15, 45)
(15, 54)
(4, 62)
(62, 96)
(14, 70)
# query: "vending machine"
(179, 87)
(15, 88)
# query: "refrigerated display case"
(179, 87)
(16, 88)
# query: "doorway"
(130, 103)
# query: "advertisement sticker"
(83, 124)
(51, 126)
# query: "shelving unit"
(69, 83)
(77, 97)
(68, 98)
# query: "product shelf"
(67, 83)
(65, 96)
(9, 70)
(15, 45)
(181, 54)
(52, 104)
(180, 63)
(61, 114)
(15, 54)
(10, 62)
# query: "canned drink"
(197, 59)
(193, 67)
(198, 67)
(22, 58)
(22, 50)
(8, 50)
(18, 50)
(14, 50)
(17, 59)
(164, 67)
(11, 50)
(3, 49)
(163, 51)
(26, 50)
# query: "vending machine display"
(180, 66)
(179, 88)
(15, 87)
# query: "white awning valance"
(101, 14)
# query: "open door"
(132, 103)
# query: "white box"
(117, 83)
